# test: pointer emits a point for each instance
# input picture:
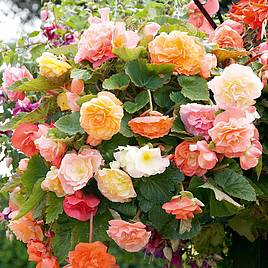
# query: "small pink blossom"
(197, 18)
(12, 75)
(44, 15)
(23, 164)
(72, 101)
(151, 29)
(80, 206)
(198, 118)
(207, 64)
(236, 26)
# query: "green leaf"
(125, 129)
(129, 54)
(54, 207)
(69, 50)
(36, 169)
(101, 226)
(150, 76)
(38, 84)
(70, 124)
(80, 74)
(58, 135)
(193, 232)
(219, 195)
(178, 98)
(161, 97)
(37, 51)
(118, 81)
(235, 184)
(35, 197)
(259, 168)
(194, 87)
(158, 188)
(210, 239)
(38, 115)
(107, 148)
(85, 98)
(129, 209)
(178, 127)
(140, 101)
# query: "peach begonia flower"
(183, 207)
(196, 17)
(25, 228)
(36, 250)
(77, 86)
(198, 118)
(101, 117)
(226, 37)
(97, 42)
(153, 126)
(180, 49)
(51, 150)
(12, 75)
(48, 262)
(80, 206)
(232, 133)
(131, 237)
(91, 255)
(115, 185)
(194, 158)
(77, 169)
(236, 87)
(52, 182)
(23, 139)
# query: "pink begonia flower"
(151, 29)
(197, 18)
(183, 207)
(236, 26)
(71, 99)
(77, 169)
(198, 118)
(131, 237)
(232, 133)
(80, 206)
(226, 37)
(264, 58)
(194, 158)
(51, 150)
(23, 164)
(44, 15)
(250, 157)
(207, 64)
(101, 37)
(12, 75)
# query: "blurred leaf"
(129, 54)
(69, 50)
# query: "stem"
(253, 58)
(220, 17)
(205, 13)
(150, 99)
(91, 228)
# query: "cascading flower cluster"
(127, 128)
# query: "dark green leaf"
(235, 184)
(54, 207)
(35, 197)
(125, 129)
(150, 76)
(194, 87)
(118, 81)
(140, 101)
